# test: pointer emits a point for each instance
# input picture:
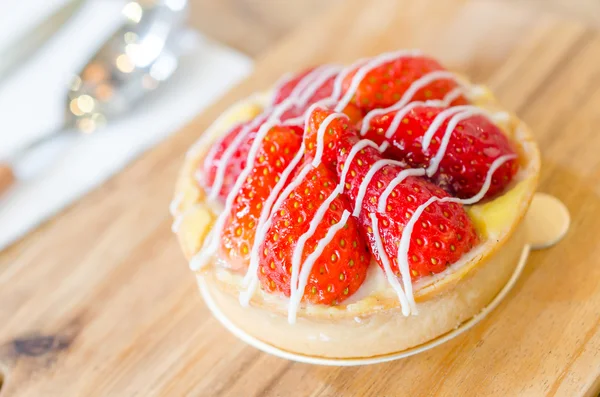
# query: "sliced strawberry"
(336, 128)
(442, 234)
(285, 86)
(235, 146)
(313, 87)
(341, 267)
(474, 145)
(278, 148)
(228, 156)
(385, 85)
(320, 88)
(309, 87)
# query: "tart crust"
(374, 318)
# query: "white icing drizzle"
(300, 94)
(226, 158)
(365, 69)
(264, 223)
(305, 88)
(408, 228)
(306, 80)
(391, 277)
(457, 118)
(320, 213)
(453, 94)
(310, 91)
(326, 74)
(321, 136)
(175, 203)
(362, 190)
(296, 294)
(207, 136)
(283, 80)
(358, 146)
(438, 121)
(338, 84)
(408, 96)
(314, 224)
(251, 278)
(203, 256)
(177, 223)
(213, 242)
(402, 175)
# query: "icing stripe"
(391, 277)
(405, 239)
(306, 81)
(301, 93)
(410, 93)
(175, 203)
(402, 175)
(457, 118)
(207, 136)
(362, 190)
(312, 89)
(362, 72)
(321, 136)
(320, 214)
(251, 278)
(261, 228)
(264, 129)
(228, 154)
(438, 121)
(314, 224)
(297, 293)
(204, 255)
(283, 80)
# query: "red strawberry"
(474, 145)
(442, 234)
(285, 86)
(336, 128)
(228, 156)
(313, 87)
(276, 151)
(385, 85)
(236, 143)
(341, 267)
(324, 92)
(309, 87)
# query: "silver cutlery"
(137, 58)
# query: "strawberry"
(241, 136)
(324, 92)
(285, 86)
(335, 129)
(341, 267)
(232, 149)
(385, 85)
(442, 234)
(474, 145)
(278, 148)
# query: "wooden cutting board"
(99, 301)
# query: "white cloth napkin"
(32, 103)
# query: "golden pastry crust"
(445, 300)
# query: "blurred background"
(86, 86)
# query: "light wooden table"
(252, 26)
(99, 302)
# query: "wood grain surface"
(99, 301)
(252, 26)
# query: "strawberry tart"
(357, 211)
